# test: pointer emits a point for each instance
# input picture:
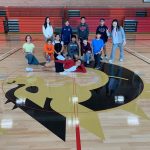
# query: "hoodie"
(102, 30)
(83, 31)
(66, 34)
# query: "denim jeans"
(113, 51)
(87, 57)
(72, 54)
(32, 59)
(97, 60)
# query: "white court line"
(137, 54)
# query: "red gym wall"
(31, 18)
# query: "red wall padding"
(1, 25)
(92, 22)
(31, 19)
(34, 12)
(143, 23)
(34, 24)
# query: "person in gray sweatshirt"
(83, 30)
(73, 47)
(118, 40)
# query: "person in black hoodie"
(102, 29)
(83, 30)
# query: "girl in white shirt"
(47, 29)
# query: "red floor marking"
(78, 141)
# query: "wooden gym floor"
(126, 127)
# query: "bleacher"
(143, 23)
(31, 19)
(93, 16)
(34, 24)
(1, 25)
(92, 22)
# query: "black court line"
(10, 54)
(137, 56)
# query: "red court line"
(78, 141)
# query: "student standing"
(28, 48)
(97, 45)
(83, 30)
(66, 33)
(102, 28)
(47, 29)
(118, 40)
(58, 50)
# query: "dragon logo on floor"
(51, 106)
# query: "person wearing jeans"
(32, 60)
(113, 52)
(97, 45)
(28, 49)
(118, 40)
(73, 47)
(86, 51)
(102, 28)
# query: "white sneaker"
(29, 69)
(121, 60)
(106, 57)
(63, 73)
(110, 61)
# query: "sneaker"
(110, 61)
(29, 69)
(63, 73)
(97, 68)
(121, 60)
(88, 62)
(106, 57)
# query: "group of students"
(66, 49)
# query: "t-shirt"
(55, 42)
(48, 32)
(28, 47)
(97, 45)
(49, 48)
